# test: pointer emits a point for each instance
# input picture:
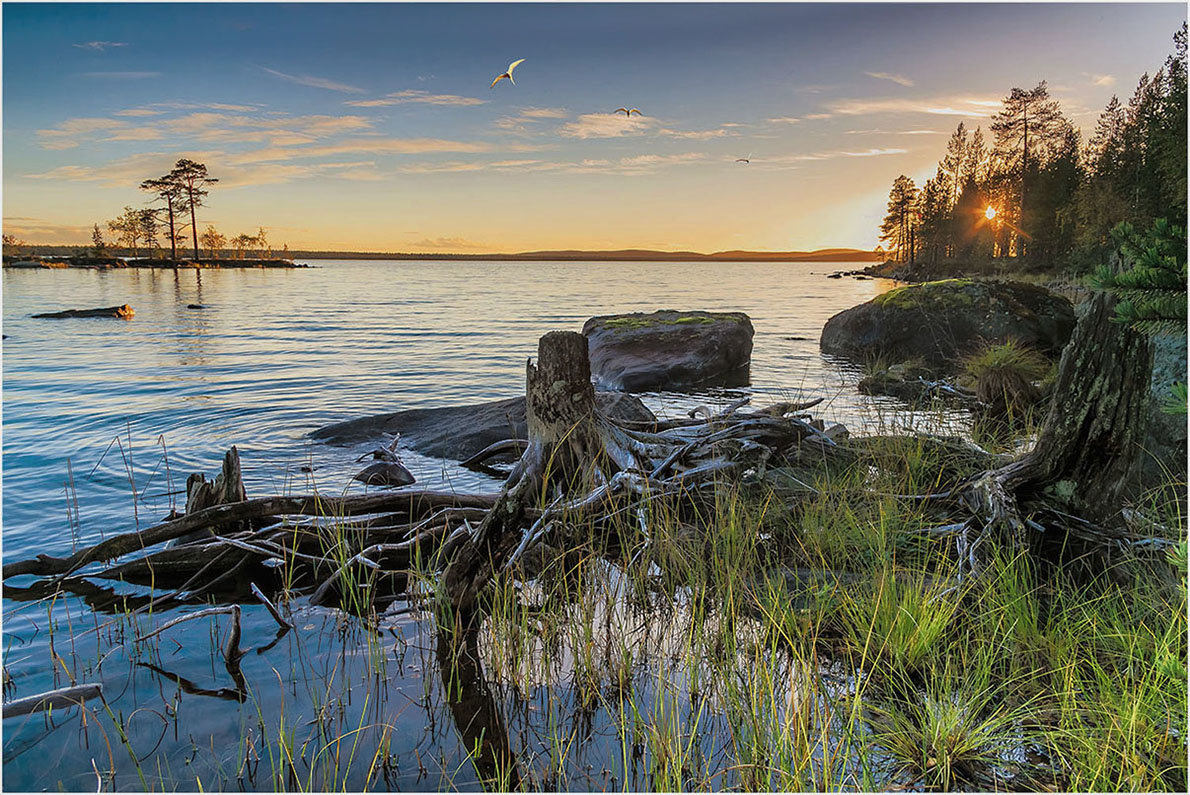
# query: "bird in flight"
(508, 73)
(747, 159)
(629, 112)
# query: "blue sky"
(372, 126)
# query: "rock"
(124, 312)
(669, 350)
(385, 473)
(195, 306)
(458, 432)
(940, 322)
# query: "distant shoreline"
(568, 255)
(51, 262)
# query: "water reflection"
(476, 713)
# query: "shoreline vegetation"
(80, 256)
(113, 262)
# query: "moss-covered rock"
(940, 322)
(669, 350)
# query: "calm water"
(275, 355)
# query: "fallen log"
(123, 312)
(413, 502)
(54, 699)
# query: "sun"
(991, 213)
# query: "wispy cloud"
(695, 135)
(363, 146)
(545, 113)
(447, 244)
(315, 82)
(158, 108)
(139, 112)
(130, 171)
(624, 166)
(42, 230)
(606, 125)
(900, 80)
(528, 119)
(99, 46)
(202, 126)
(813, 157)
(785, 120)
(894, 132)
(121, 75)
(1101, 80)
(415, 96)
(971, 107)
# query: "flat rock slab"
(123, 312)
(669, 350)
(940, 322)
(458, 432)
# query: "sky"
(372, 127)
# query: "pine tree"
(192, 178)
(1025, 130)
(1152, 288)
(898, 229)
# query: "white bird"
(747, 159)
(629, 112)
(507, 74)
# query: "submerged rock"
(940, 322)
(669, 350)
(385, 473)
(124, 312)
(913, 383)
(458, 432)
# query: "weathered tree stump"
(225, 489)
(1087, 452)
(565, 445)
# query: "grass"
(1005, 373)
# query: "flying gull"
(508, 74)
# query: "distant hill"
(621, 255)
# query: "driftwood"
(124, 312)
(54, 699)
(415, 503)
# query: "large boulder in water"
(458, 432)
(940, 322)
(669, 350)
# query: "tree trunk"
(1087, 453)
(564, 444)
(193, 225)
(173, 238)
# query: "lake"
(103, 419)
